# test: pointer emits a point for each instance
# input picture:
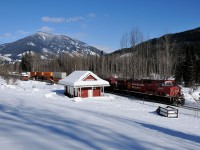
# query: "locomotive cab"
(168, 83)
(168, 88)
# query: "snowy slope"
(36, 116)
(47, 44)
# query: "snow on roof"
(24, 74)
(76, 79)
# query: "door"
(90, 93)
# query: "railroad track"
(190, 108)
(145, 96)
(194, 108)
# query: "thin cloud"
(92, 15)
(75, 19)
(6, 36)
(53, 19)
(68, 20)
(84, 26)
(46, 29)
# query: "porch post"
(92, 92)
(80, 92)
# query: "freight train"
(50, 76)
(44, 76)
(163, 91)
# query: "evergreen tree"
(26, 62)
(189, 68)
(197, 70)
(179, 73)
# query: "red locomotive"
(165, 91)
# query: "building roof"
(76, 79)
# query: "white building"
(83, 84)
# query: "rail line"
(190, 108)
(194, 108)
(150, 97)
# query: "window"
(160, 84)
(168, 83)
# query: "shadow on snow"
(74, 132)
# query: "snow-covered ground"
(37, 116)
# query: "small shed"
(83, 84)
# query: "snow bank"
(111, 97)
(35, 89)
(2, 81)
(11, 86)
(2, 86)
(102, 98)
(196, 95)
(77, 99)
(50, 95)
(189, 95)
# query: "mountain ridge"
(183, 39)
(46, 43)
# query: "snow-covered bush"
(10, 80)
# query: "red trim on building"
(89, 78)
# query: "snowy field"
(37, 116)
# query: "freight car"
(164, 91)
(48, 76)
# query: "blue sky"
(100, 23)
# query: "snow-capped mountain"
(45, 44)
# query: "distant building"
(83, 84)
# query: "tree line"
(137, 59)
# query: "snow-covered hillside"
(37, 116)
(47, 44)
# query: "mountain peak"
(47, 43)
(43, 33)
